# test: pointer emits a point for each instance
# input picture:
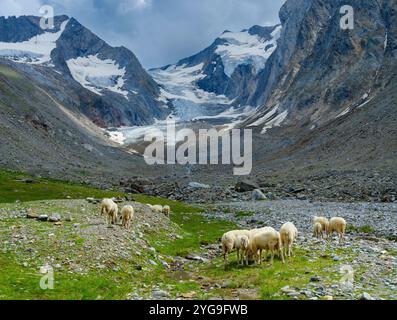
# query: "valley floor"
(181, 258)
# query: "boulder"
(245, 186)
(56, 217)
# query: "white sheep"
(127, 214)
(318, 230)
(167, 211)
(157, 208)
(229, 241)
(288, 234)
(323, 221)
(269, 240)
(242, 244)
(337, 225)
(110, 209)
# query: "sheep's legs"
(225, 260)
(282, 256)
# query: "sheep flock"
(110, 210)
(250, 244)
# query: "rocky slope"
(320, 72)
(41, 135)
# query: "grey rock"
(55, 218)
(366, 296)
(158, 294)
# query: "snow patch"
(97, 75)
(244, 48)
(36, 50)
(116, 136)
(276, 122)
(344, 112)
(266, 117)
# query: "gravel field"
(381, 217)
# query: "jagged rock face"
(111, 86)
(14, 29)
(233, 60)
(320, 72)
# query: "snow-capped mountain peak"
(36, 50)
(111, 84)
(211, 82)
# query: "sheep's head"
(245, 242)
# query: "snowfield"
(36, 50)
(97, 75)
(244, 48)
(271, 119)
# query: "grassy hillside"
(13, 187)
(97, 262)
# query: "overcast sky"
(159, 32)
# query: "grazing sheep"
(318, 230)
(157, 208)
(110, 209)
(323, 221)
(269, 240)
(127, 214)
(167, 211)
(242, 243)
(337, 225)
(229, 242)
(288, 234)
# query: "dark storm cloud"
(160, 32)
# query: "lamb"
(269, 240)
(323, 221)
(337, 225)
(110, 209)
(229, 242)
(318, 230)
(127, 214)
(167, 211)
(288, 234)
